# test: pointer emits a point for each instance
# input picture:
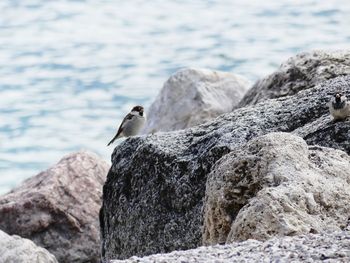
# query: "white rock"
(194, 96)
(325, 247)
(276, 185)
(14, 249)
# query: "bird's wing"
(126, 119)
(348, 106)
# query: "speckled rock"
(303, 71)
(275, 185)
(194, 96)
(325, 247)
(153, 196)
(58, 208)
(14, 249)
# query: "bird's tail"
(114, 138)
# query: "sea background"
(70, 70)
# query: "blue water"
(70, 70)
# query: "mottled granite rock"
(58, 208)
(325, 133)
(325, 247)
(303, 71)
(194, 96)
(276, 185)
(153, 196)
(14, 249)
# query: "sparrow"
(339, 107)
(131, 124)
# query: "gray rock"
(194, 96)
(325, 247)
(303, 71)
(275, 185)
(58, 209)
(153, 196)
(14, 249)
(329, 135)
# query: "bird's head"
(138, 109)
(338, 97)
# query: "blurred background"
(70, 70)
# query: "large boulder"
(14, 249)
(276, 185)
(194, 96)
(325, 247)
(58, 209)
(303, 71)
(153, 196)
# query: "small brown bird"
(339, 107)
(131, 124)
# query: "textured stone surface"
(326, 133)
(58, 208)
(325, 247)
(275, 185)
(303, 71)
(153, 196)
(194, 96)
(14, 249)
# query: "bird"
(131, 124)
(339, 107)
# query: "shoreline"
(262, 162)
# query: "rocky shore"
(255, 174)
(325, 247)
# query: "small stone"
(15, 249)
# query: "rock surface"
(325, 247)
(303, 71)
(194, 96)
(14, 249)
(275, 185)
(58, 209)
(153, 196)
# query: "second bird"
(339, 107)
(131, 124)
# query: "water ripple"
(70, 70)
